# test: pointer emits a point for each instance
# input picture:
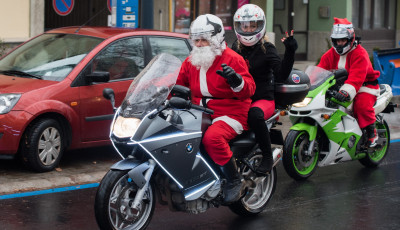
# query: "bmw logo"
(189, 147)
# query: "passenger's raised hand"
(289, 42)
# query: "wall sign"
(127, 14)
(63, 7)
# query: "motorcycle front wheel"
(298, 163)
(374, 158)
(113, 202)
(259, 193)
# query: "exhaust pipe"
(277, 155)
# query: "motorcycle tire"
(112, 203)
(297, 164)
(257, 197)
(372, 160)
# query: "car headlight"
(125, 127)
(8, 101)
(305, 102)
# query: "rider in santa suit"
(361, 84)
(219, 80)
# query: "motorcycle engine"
(213, 191)
(177, 201)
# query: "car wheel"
(43, 145)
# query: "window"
(182, 16)
(123, 59)
(185, 11)
(176, 47)
(373, 14)
(50, 56)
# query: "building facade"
(376, 21)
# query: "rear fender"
(310, 129)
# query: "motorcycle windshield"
(151, 87)
(317, 75)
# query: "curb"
(53, 182)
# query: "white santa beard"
(203, 56)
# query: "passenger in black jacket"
(266, 67)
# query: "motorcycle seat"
(246, 139)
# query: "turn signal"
(283, 113)
(326, 116)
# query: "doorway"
(288, 15)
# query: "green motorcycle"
(324, 132)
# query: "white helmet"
(249, 24)
(208, 27)
(342, 29)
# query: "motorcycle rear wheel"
(372, 160)
(113, 199)
(258, 194)
(297, 164)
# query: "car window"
(175, 46)
(50, 56)
(123, 59)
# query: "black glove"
(342, 95)
(290, 44)
(233, 79)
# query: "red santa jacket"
(229, 105)
(358, 66)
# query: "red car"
(51, 87)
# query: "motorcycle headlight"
(8, 101)
(305, 102)
(125, 127)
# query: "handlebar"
(201, 108)
(180, 103)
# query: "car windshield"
(151, 87)
(317, 75)
(48, 56)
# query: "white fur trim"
(203, 83)
(239, 88)
(342, 61)
(350, 89)
(231, 122)
(365, 89)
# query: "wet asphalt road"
(345, 196)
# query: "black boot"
(257, 124)
(266, 164)
(371, 135)
(235, 184)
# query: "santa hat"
(342, 21)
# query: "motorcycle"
(157, 132)
(324, 132)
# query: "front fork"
(312, 133)
(141, 181)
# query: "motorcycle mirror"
(181, 91)
(108, 94)
(179, 103)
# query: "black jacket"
(266, 67)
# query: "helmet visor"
(341, 32)
(248, 28)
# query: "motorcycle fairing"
(165, 146)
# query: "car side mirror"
(98, 76)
